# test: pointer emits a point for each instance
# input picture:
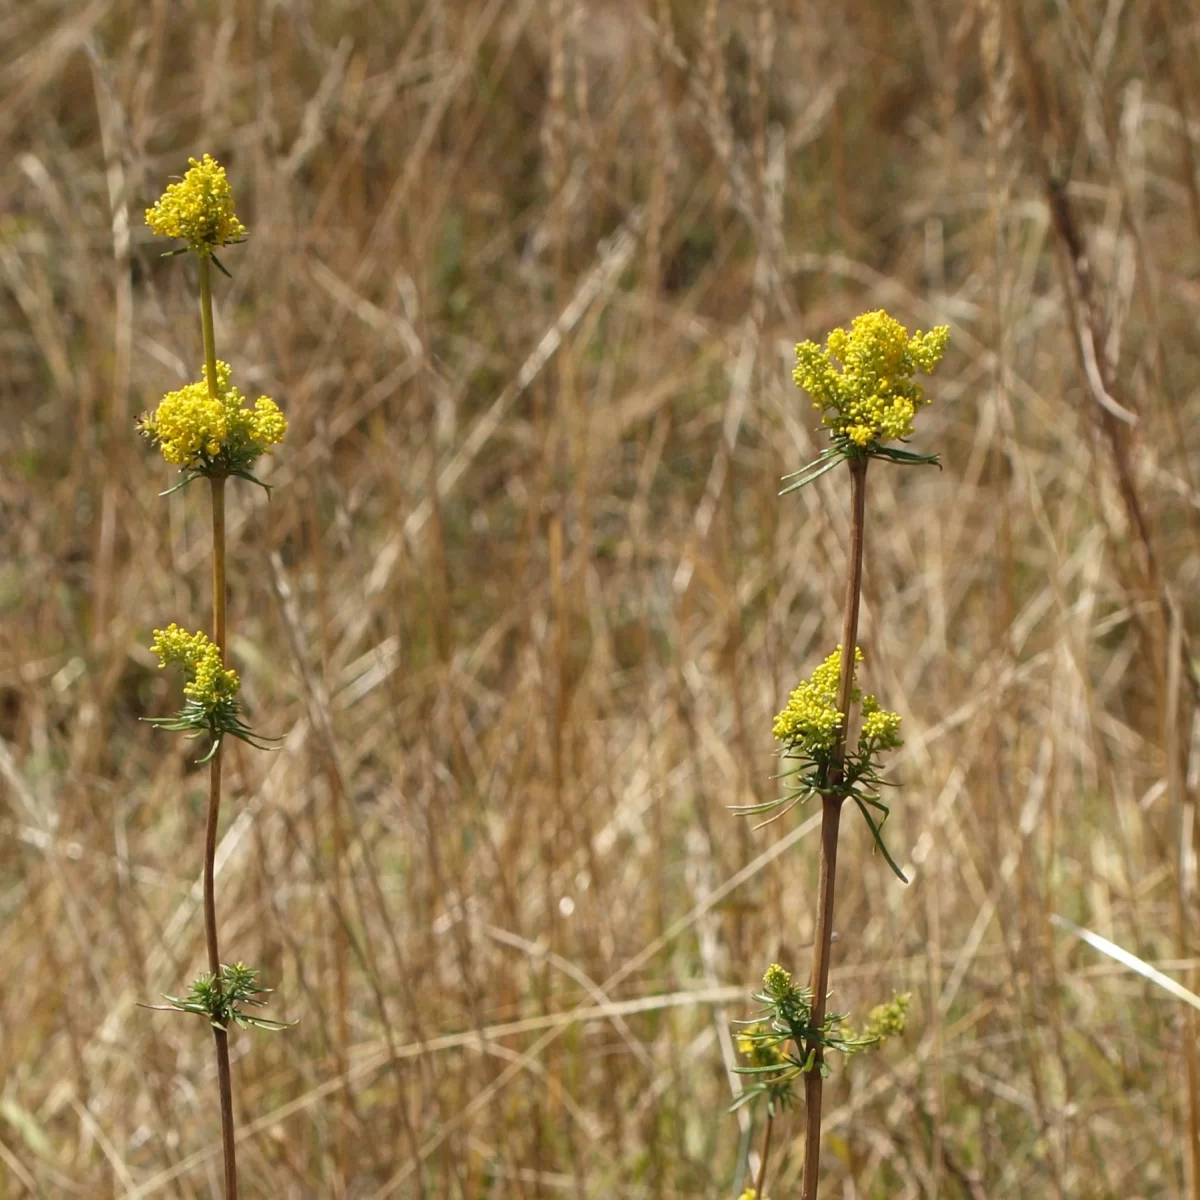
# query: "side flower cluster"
(863, 383)
(211, 705)
(198, 209)
(809, 724)
(206, 435)
(808, 730)
(210, 683)
(780, 1045)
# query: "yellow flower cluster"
(756, 1052)
(873, 396)
(198, 209)
(192, 428)
(880, 728)
(811, 719)
(211, 683)
(887, 1020)
(777, 981)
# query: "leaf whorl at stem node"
(220, 1003)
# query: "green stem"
(831, 811)
(210, 342)
(220, 1036)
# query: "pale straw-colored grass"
(526, 278)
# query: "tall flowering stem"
(206, 431)
(863, 384)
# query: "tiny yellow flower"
(880, 728)
(198, 209)
(862, 382)
(193, 430)
(210, 682)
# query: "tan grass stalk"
(1166, 640)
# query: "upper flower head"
(862, 382)
(213, 436)
(198, 209)
(210, 683)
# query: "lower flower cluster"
(809, 723)
(221, 1003)
(781, 1044)
(210, 706)
(210, 682)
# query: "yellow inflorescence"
(759, 1053)
(210, 682)
(811, 719)
(862, 382)
(880, 728)
(888, 1020)
(776, 981)
(190, 426)
(198, 209)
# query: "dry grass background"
(526, 276)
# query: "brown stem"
(220, 1036)
(831, 812)
(761, 1181)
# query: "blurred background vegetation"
(526, 277)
